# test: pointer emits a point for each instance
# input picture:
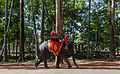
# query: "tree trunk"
(61, 16)
(55, 13)
(21, 58)
(10, 15)
(5, 33)
(13, 49)
(36, 37)
(89, 50)
(7, 26)
(109, 6)
(59, 26)
(112, 49)
(97, 39)
(42, 23)
(9, 46)
(73, 20)
(48, 23)
(59, 21)
(17, 43)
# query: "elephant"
(70, 52)
(45, 54)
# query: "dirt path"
(82, 65)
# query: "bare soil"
(82, 65)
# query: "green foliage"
(99, 31)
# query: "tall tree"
(36, 37)
(109, 6)
(61, 14)
(21, 58)
(55, 12)
(17, 42)
(8, 27)
(89, 50)
(73, 20)
(7, 30)
(112, 49)
(59, 26)
(59, 22)
(5, 33)
(42, 23)
(46, 10)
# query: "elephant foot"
(69, 66)
(57, 67)
(36, 65)
(46, 67)
(77, 66)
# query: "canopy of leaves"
(100, 27)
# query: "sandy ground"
(90, 67)
(82, 65)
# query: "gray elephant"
(70, 52)
(45, 54)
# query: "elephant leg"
(61, 61)
(74, 61)
(38, 62)
(58, 59)
(67, 61)
(45, 64)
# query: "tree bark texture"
(59, 26)
(59, 21)
(61, 16)
(89, 50)
(21, 58)
(112, 30)
(42, 23)
(17, 42)
(74, 20)
(34, 25)
(7, 26)
(5, 33)
(48, 23)
(55, 12)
